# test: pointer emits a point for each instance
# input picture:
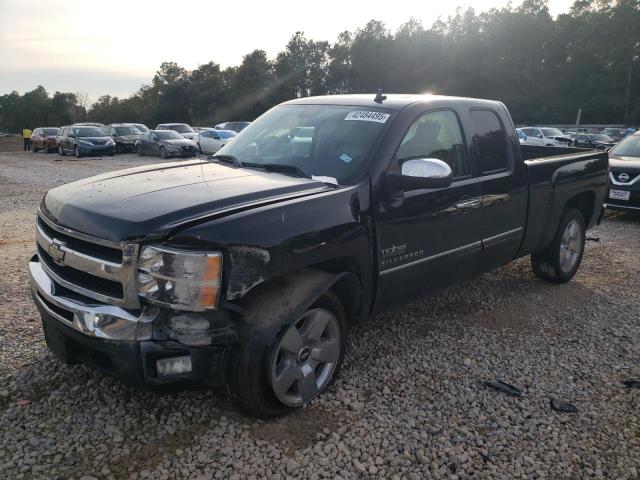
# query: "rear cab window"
(490, 142)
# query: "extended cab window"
(436, 135)
(490, 141)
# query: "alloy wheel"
(304, 360)
(570, 245)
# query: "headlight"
(110, 142)
(180, 279)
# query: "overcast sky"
(114, 46)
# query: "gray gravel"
(409, 403)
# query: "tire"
(35, 150)
(163, 153)
(61, 151)
(140, 151)
(559, 262)
(119, 149)
(76, 152)
(255, 363)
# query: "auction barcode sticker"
(365, 116)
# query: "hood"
(153, 200)
(190, 135)
(179, 142)
(624, 164)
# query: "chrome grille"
(91, 266)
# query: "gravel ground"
(409, 403)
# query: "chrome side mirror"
(421, 173)
(426, 168)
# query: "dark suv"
(84, 140)
(125, 136)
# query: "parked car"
(522, 137)
(140, 126)
(166, 143)
(84, 140)
(235, 126)
(211, 140)
(593, 140)
(245, 270)
(182, 128)
(545, 136)
(125, 136)
(624, 175)
(616, 134)
(44, 138)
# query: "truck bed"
(560, 177)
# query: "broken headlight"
(179, 279)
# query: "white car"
(182, 128)
(211, 140)
(550, 137)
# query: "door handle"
(468, 204)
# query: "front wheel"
(559, 262)
(163, 152)
(76, 152)
(61, 151)
(276, 373)
(140, 151)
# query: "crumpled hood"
(154, 200)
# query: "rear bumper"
(107, 338)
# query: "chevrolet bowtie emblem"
(56, 252)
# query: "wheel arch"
(290, 295)
(585, 203)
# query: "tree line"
(543, 69)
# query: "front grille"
(78, 277)
(631, 176)
(92, 267)
(87, 248)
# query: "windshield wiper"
(233, 160)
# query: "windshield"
(629, 147)
(323, 140)
(141, 127)
(51, 131)
(600, 137)
(226, 133)
(127, 131)
(169, 135)
(181, 128)
(89, 132)
(551, 132)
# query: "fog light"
(173, 365)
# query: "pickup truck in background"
(245, 269)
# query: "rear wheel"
(559, 262)
(273, 374)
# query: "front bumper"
(115, 341)
(633, 189)
(96, 149)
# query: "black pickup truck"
(245, 269)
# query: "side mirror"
(539, 135)
(419, 173)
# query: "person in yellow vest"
(26, 138)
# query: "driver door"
(428, 239)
